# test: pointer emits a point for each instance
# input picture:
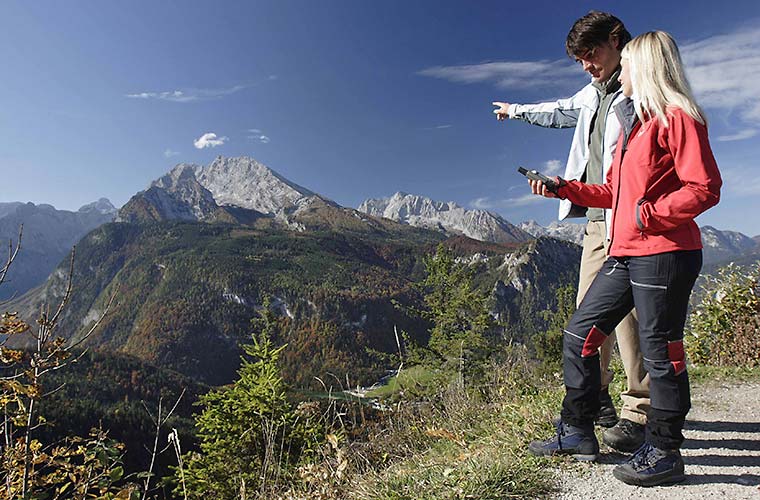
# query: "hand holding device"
(535, 175)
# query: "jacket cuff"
(514, 111)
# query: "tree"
(548, 344)
(82, 467)
(251, 436)
(463, 331)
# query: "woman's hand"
(538, 188)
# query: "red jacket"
(660, 180)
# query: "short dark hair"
(594, 29)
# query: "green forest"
(90, 415)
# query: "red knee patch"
(677, 356)
(594, 339)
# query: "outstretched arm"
(562, 113)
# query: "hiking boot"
(626, 436)
(607, 416)
(578, 442)
(651, 466)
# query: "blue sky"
(352, 99)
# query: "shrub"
(724, 328)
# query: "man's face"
(601, 61)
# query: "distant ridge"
(447, 217)
(48, 236)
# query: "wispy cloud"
(740, 180)
(209, 140)
(552, 167)
(724, 71)
(256, 134)
(511, 74)
(487, 203)
(168, 153)
(188, 95)
(738, 136)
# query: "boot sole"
(581, 457)
(655, 480)
(586, 458)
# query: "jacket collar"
(628, 118)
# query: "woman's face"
(625, 77)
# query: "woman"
(663, 176)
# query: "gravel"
(721, 453)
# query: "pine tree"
(251, 436)
(462, 333)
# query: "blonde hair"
(658, 78)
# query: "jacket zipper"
(626, 137)
(639, 223)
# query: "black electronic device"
(535, 175)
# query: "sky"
(352, 99)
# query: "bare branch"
(49, 393)
(95, 325)
(52, 322)
(12, 253)
(184, 389)
(148, 411)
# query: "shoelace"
(644, 456)
(560, 431)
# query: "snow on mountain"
(246, 183)
(447, 217)
(195, 192)
(567, 231)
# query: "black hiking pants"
(658, 286)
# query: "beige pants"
(636, 398)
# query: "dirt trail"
(721, 452)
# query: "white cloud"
(188, 95)
(505, 203)
(256, 134)
(511, 74)
(552, 167)
(209, 140)
(738, 136)
(168, 153)
(724, 71)
(438, 127)
(740, 181)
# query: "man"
(595, 41)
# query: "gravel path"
(721, 452)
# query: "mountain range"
(447, 217)
(48, 235)
(193, 257)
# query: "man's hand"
(538, 187)
(502, 112)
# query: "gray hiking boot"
(626, 436)
(651, 466)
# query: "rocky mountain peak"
(102, 206)
(219, 189)
(246, 183)
(447, 217)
